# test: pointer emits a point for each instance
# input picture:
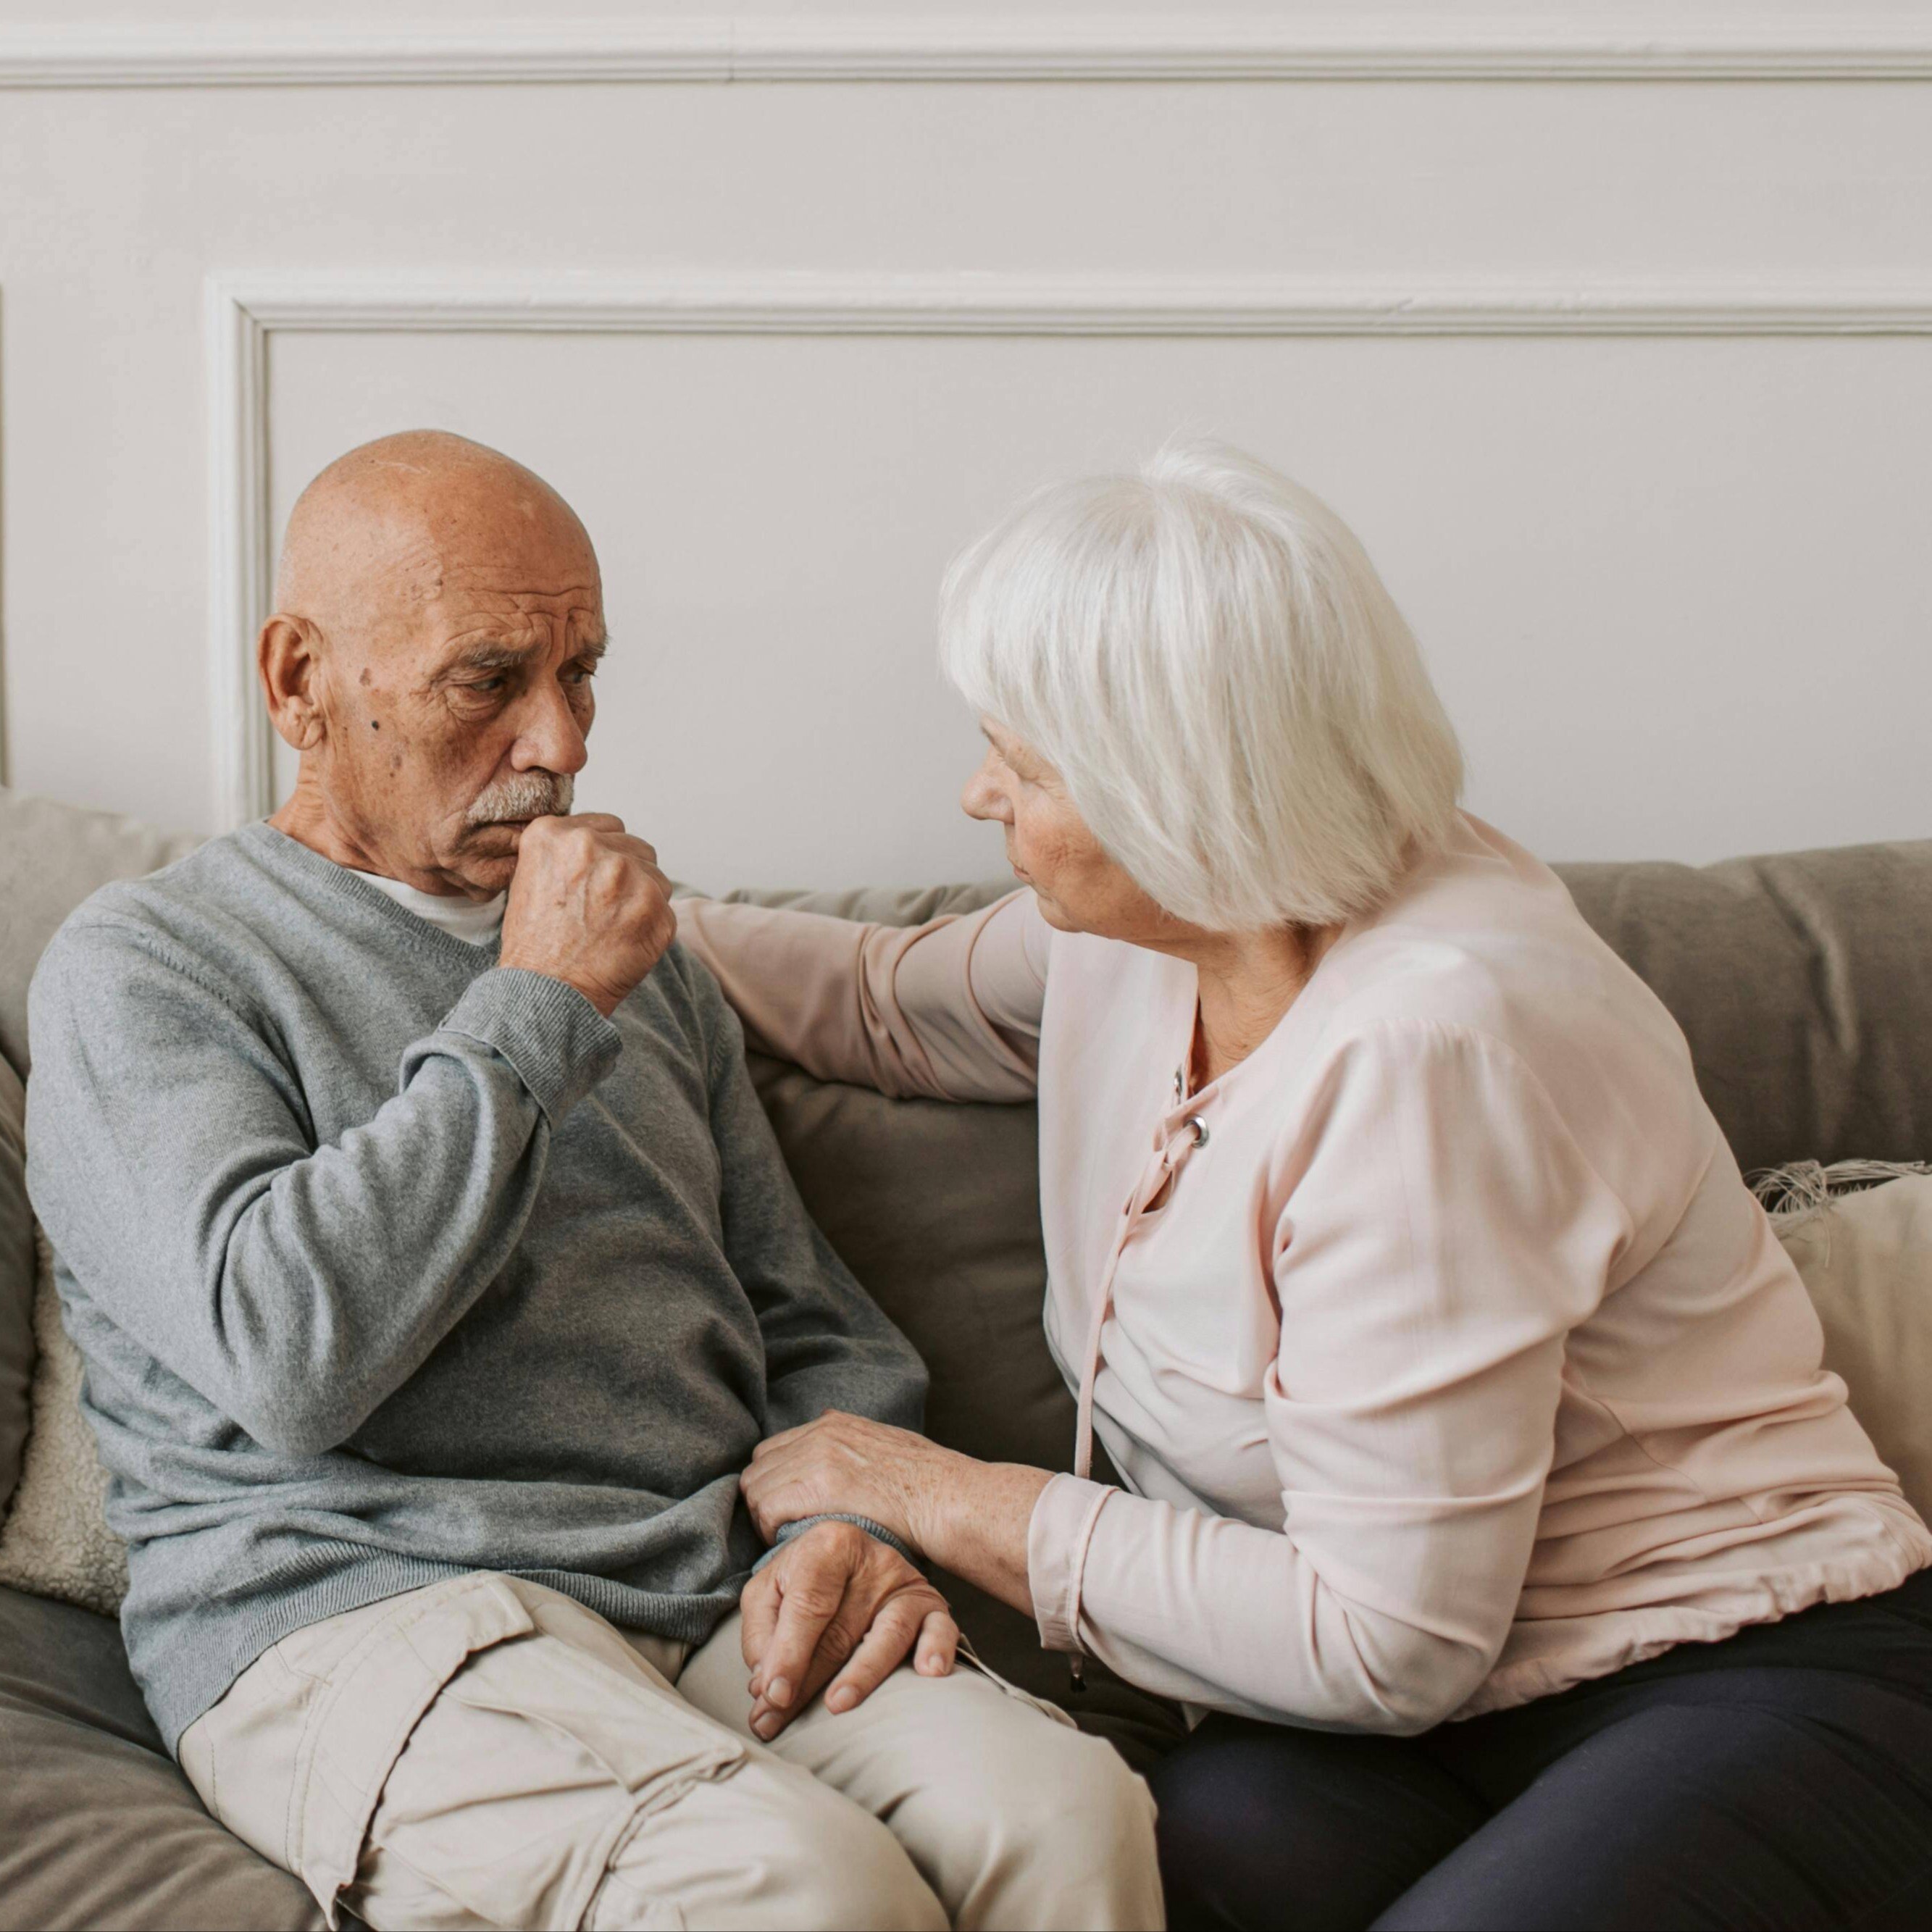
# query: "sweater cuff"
(558, 1043)
(1058, 1538)
(877, 1530)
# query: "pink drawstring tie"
(1173, 1149)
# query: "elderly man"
(437, 1274)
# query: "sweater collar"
(290, 855)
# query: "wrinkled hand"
(837, 1607)
(843, 1463)
(588, 905)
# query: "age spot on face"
(365, 678)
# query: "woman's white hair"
(1205, 653)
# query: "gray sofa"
(1803, 982)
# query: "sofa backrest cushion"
(52, 857)
(936, 1209)
(1803, 982)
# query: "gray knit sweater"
(388, 1262)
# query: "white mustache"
(523, 795)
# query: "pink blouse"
(1445, 1355)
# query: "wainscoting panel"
(1584, 503)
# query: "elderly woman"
(1451, 1371)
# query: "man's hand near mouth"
(588, 905)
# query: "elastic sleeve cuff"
(1057, 1537)
(559, 1044)
(787, 1531)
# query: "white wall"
(1626, 382)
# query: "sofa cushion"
(935, 1207)
(52, 857)
(54, 1540)
(16, 1281)
(1803, 983)
(1866, 1258)
(96, 1826)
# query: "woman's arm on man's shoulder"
(949, 1010)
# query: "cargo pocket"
(605, 1751)
(375, 1697)
(503, 1775)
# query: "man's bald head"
(439, 612)
(384, 522)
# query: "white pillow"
(56, 1541)
(1867, 1259)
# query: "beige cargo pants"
(486, 1752)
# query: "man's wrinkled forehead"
(510, 615)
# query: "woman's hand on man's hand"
(839, 1611)
(843, 1464)
(970, 1518)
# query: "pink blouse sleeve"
(949, 1010)
(1442, 1235)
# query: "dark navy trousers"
(1780, 1779)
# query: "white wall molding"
(699, 302)
(240, 567)
(243, 310)
(1596, 42)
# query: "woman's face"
(1079, 888)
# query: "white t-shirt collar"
(478, 921)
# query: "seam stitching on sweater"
(164, 952)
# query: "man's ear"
(289, 658)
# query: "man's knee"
(1065, 1830)
(779, 1850)
(1077, 1795)
(844, 1868)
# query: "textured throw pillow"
(1866, 1257)
(16, 1280)
(56, 1541)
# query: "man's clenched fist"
(588, 906)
